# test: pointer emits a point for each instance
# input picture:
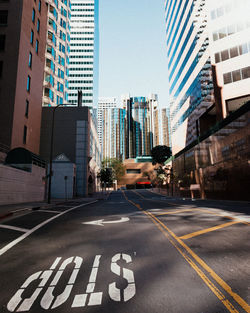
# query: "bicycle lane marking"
(216, 277)
(32, 230)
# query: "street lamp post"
(51, 151)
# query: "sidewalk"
(7, 210)
(243, 206)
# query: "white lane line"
(16, 241)
(23, 230)
(49, 211)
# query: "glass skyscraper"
(111, 128)
(84, 52)
(55, 86)
(140, 126)
(189, 65)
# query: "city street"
(136, 251)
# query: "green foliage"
(162, 174)
(118, 169)
(160, 154)
(106, 176)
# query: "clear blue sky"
(133, 57)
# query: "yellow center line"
(175, 211)
(139, 194)
(207, 230)
(174, 204)
(193, 209)
(203, 276)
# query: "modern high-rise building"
(209, 71)
(140, 126)
(164, 127)
(23, 27)
(103, 104)
(190, 71)
(229, 27)
(111, 128)
(55, 86)
(113, 133)
(84, 52)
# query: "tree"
(117, 167)
(106, 176)
(160, 154)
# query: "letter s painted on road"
(129, 292)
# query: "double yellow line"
(191, 257)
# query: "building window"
(243, 48)
(217, 57)
(25, 134)
(246, 72)
(222, 33)
(27, 108)
(31, 37)
(2, 42)
(39, 6)
(236, 75)
(231, 29)
(38, 25)
(234, 52)
(33, 15)
(224, 55)
(215, 36)
(37, 46)
(28, 83)
(133, 171)
(30, 60)
(227, 78)
(3, 17)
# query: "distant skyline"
(133, 54)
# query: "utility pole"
(51, 150)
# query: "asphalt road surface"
(137, 251)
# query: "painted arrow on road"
(102, 222)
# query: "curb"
(36, 208)
(199, 199)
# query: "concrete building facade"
(21, 72)
(136, 173)
(55, 85)
(76, 137)
(229, 27)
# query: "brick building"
(22, 48)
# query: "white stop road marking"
(89, 298)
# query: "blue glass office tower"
(189, 66)
(139, 126)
